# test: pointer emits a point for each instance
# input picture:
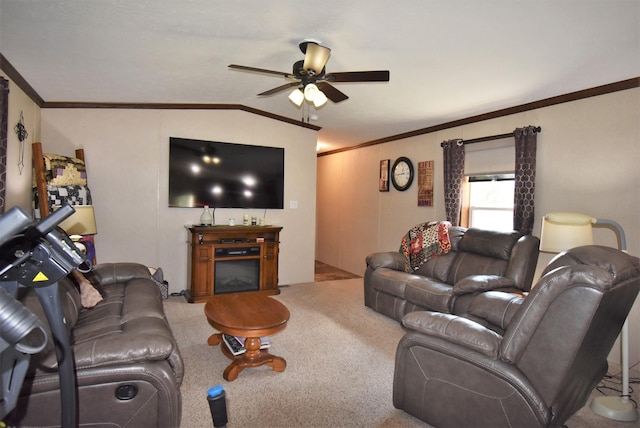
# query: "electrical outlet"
(293, 204)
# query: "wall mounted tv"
(225, 175)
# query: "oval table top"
(246, 314)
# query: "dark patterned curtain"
(4, 113)
(525, 179)
(453, 152)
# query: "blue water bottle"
(217, 405)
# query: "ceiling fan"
(310, 79)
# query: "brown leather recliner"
(452, 371)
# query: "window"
(488, 191)
(491, 201)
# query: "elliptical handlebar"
(35, 248)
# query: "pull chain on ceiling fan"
(310, 80)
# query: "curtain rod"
(491, 137)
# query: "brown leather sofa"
(451, 371)
(479, 260)
(127, 362)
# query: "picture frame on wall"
(425, 183)
(383, 181)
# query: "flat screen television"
(225, 175)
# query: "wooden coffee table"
(250, 315)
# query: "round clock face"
(402, 173)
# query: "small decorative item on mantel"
(206, 219)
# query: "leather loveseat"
(127, 363)
(478, 260)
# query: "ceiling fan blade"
(331, 92)
(260, 70)
(359, 76)
(279, 89)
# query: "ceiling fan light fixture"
(310, 92)
(320, 99)
(296, 97)
(315, 58)
(308, 76)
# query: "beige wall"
(127, 161)
(588, 161)
(19, 183)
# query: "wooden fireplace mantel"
(211, 244)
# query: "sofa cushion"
(128, 326)
(429, 293)
(455, 236)
(438, 268)
(489, 243)
(123, 305)
(467, 264)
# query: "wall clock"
(402, 173)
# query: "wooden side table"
(249, 315)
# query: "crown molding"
(16, 78)
(176, 106)
(622, 85)
(573, 96)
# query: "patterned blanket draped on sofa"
(423, 242)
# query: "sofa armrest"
(111, 273)
(391, 260)
(481, 283)
(496, 307)
(455, 329)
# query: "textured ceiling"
(447, 59)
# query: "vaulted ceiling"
(448, 60)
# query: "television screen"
(225, 175)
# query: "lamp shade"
(81, 222)
(296, 97)
(320, 99)
(310, 92)
(315, 58)
(562, 231)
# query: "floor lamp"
(561, 231)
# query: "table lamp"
(562, 231)
(79, 225)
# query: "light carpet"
(340, 359)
